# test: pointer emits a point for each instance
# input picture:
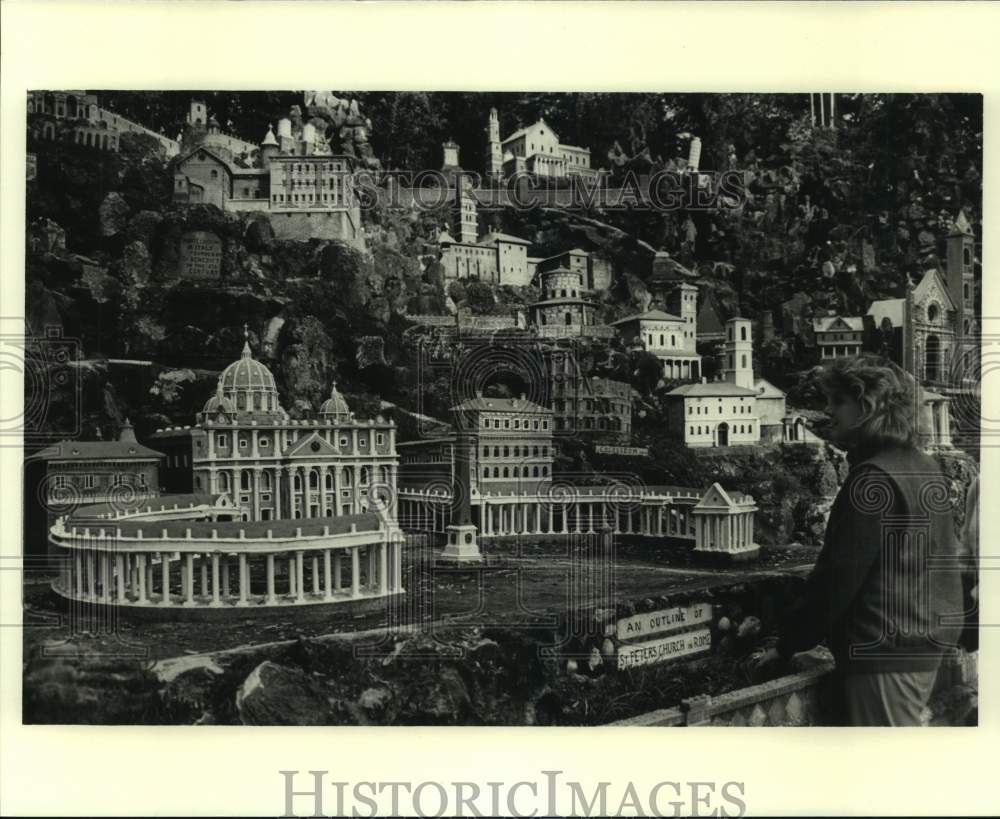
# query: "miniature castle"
(292, 176)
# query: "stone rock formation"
(275, 694)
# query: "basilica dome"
(218, 403)
(248, 385)
(335, 407)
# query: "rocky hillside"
(840, 216)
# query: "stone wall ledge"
(704, 709)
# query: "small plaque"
(664, 648)
(639, 626)
(201, 255)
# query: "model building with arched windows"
(272, 466)
(740, 409)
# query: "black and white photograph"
(434, 444)
(418, 408)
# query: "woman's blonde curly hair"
(886, 393)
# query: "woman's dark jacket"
(886, 590)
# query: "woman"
(888, 575)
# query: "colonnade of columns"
(425, 515)
(680, 367)
(231, 579)
(731, 532)
(582, 516)
(533, 516)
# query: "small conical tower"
(268, 148)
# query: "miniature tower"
(694, 154)
(683, 302)
(738, 366)
(286, 142)
(198, 113)
(466, 214)
(450, 154)
(268, 148)
(961, 285)
(495, 157)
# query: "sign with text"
(628, 451)
(664, 648)
(649, 623)
(201, 255)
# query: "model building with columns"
(244, 445)
(495, 478)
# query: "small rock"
(608, 649)
(113, 214)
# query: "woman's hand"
(766, 666)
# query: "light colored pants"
(891, 698)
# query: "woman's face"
(844, 412)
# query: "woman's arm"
(853, 544)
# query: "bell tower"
(738, 366)
(495, 157)
(961, 282)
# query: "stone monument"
(462, 546)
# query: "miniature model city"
(254, 505)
